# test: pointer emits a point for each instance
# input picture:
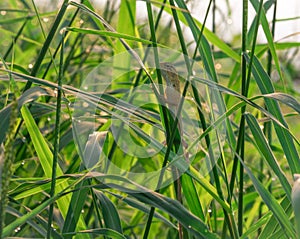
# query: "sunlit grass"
(245, 193)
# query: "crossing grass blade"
(45, 156)
(110, 214)
(267, 153)
(266, 87)
(191, 195)
(272, 204)
(103, 232)
(110, 34)
(115, 210)
(269, 37)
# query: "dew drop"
(62, 31)
(229, 21)
(261, 127)
(3, 13)
(30, 66)
(218, 66)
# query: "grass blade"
(272, 204)
(46, 159)
(266, 87)
(110, 214)
(267, 153)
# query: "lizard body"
(172, 93)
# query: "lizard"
(172, 94)
(172, 98)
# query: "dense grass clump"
(90, 146)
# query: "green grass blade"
(267, 153)
(56, 138)
(176, 210)
(266, 87)
(191, 196)
(21, 220)
(285, 99)
(144, 208)
(296, 202)
(186, 18)
(127, 10)
(268, 34)
(111, 34)
(46, 159)
(159, 201)
(273, 224)
(103, 232)
(75, 209)
(110, 214)
(272, 204)
(25, 191)
(47, 43)
(256, 226)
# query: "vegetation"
(88, 148)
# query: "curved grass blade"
(47, 43)
(8, 230)
(186, 18)
(174, 209)
(191, 196)
(268, 34)
(46, 159)
(25, 191)
(111, 34)
(101, 231)
(266, 87)
(296, 201)
(272, 204)
(256, 226)
(110, 214)
(37, 224)
(141, 207)
(267, 153)
(168, 205)
(286, 99)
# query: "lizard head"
(170, 75)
